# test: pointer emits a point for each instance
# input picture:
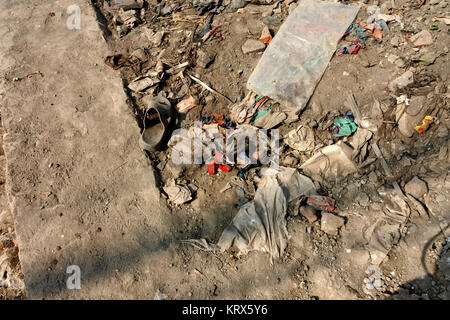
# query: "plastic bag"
(296, 58)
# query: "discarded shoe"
(157, 120)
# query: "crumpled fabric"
(260, 224)
(301, 139)
(360, 144)
(177, 194)
(331, 163)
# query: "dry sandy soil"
(121, 228)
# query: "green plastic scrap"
(345, 125)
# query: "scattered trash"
(209, 88)
(344, 126)
(260, 224)
(360, 144)
(268, 118)
(157, 120)
(407, 116)
(187, 104)
(141, 83)
(121, 61)
(309, 213)
(361, 121)
(312, 31)
(352, 41)
(244, 110)
(386, 169)
(301, 139)
(217, 163)
(252, 109)
(177, 194)
(331, 162)
(425, 124)
(321, 203)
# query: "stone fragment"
(252, 45)
(402, 82)
(309, 213)
(331, 223)
(423, 38)
(416, 187)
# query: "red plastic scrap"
(224, 167)
(321, 203)
(211, 167)
(216, 163)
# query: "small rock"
(159, 295)
(401, 82)
(423, 38)
(252, 45)
(196, 205)
(271, 21)
(204, 59)
(266, 36)
(392, 57)
(427, 58)
(416, 187)
(309, 213)
(167, 9)
(399, 63)
(395, 42)
(237, 4)
(154, 37)
(442, 131)
(140, 54)
(330, 223)
(363, 199)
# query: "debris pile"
(349, 155)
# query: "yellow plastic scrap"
(425, 124)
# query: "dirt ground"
(413, 262)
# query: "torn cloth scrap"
(261, 224)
